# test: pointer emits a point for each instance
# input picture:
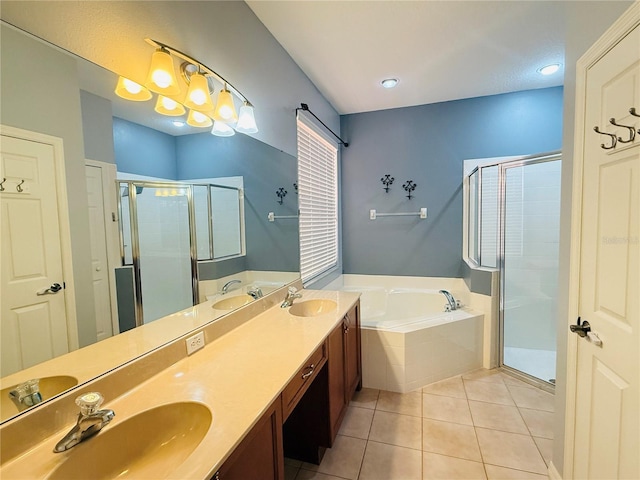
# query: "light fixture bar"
(201, 65)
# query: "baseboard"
(553, 472)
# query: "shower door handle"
(582, 329)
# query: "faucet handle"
(89, 403)
(292, 290)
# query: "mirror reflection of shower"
(514, 225)
(165, 229)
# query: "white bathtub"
(408, 340)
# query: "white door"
(34, 327)
(607, 405)
(99, 256)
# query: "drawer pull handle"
(310, 372)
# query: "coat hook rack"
(281, 193)
(295, 186)
(2, 184)
(19, 187)
(387, 180)
(272, 217)
(409, 187)
(614, 139)
(632, 131)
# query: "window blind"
(318, 203)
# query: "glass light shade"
(221, 129)
(197, 119)
(131, 90)
(162, 76)
(198, 97)
(246, 119)
(225, 110)
(169, 107)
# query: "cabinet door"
(336, 344)
(259, 456)
(353, 363)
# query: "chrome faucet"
(90, 421)
(291, 296)
(255, 292)
(226, 286)
(26, 394)
(453, 303)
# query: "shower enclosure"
(514, 212)
(165, 229)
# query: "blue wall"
(428, 144)
(143, 151)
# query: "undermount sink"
(232, 302)
(149, 445)
(48, 386)
(312, 308)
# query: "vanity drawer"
(302, 379)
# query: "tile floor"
(481, 425)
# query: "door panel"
(31, 257)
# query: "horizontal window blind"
(318, 202)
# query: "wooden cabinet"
(345, 367)
(259, 456)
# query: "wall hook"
(295, 185)
(409, 187)
(281, 193)
(2, 184)
(19, 187)
(386, 181)
(633, 112)
(614, 139)
(632, 131)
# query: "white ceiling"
(439, 50)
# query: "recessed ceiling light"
(389, 82)
(178, 124)
(549, 69)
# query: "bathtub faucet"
(453, 303)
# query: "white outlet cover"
(195, 343)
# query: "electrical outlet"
(195, 343)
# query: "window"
(318, 201)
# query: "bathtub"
(408, 340)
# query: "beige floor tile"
(546, 448)
(510, 450)
(441, 467)
(500, 473)
(497, 417)
(405, 403)
(357, 422)
(365, 398)
(447, 409)
(343, 459)
(397, 429)
(450, 439)
(485, 375)
(309, 475)
(452, 387)
(386, 462)
(290, 472)
(540, 423)
(532, 398)
(491, 392)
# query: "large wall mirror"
(233, 178)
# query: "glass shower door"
(531, 215)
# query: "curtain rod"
(305, 107)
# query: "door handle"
(55, 288)
(582, 329)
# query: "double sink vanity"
(269, 382)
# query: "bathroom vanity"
(268, 383)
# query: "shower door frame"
(502, 185)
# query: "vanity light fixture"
(130, 90)
(389, 82)
(201, 81)
(198, 119)
(549, 69)
(221, 129)
(168, 106)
